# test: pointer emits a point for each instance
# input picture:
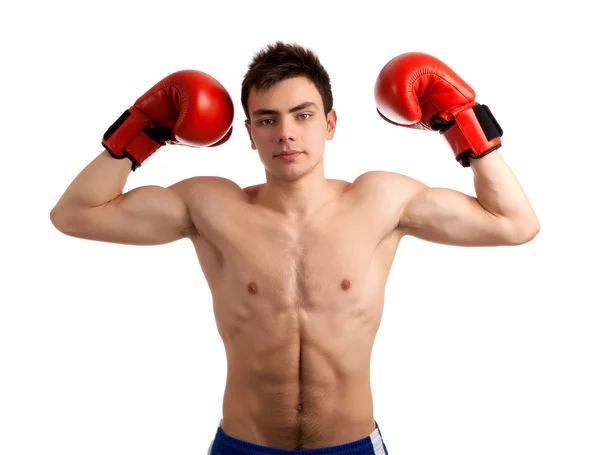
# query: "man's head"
(287, 99)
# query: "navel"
(252, 288)
(345, 285)
(299, 408)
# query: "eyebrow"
(276, 112)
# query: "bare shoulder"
(386, 184)
(208, 199)
(382, 196)
(202, 187)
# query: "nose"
(286, 131)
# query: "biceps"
(149, 215)
(450, 217)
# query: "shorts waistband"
(223, 444)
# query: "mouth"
(288, 152)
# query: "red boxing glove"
(419, 91)
(188, 107)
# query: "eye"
(307, 116)
(262, 122)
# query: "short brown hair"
(279, 61)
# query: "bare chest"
(329, 258)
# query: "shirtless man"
(297, 266)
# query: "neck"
(296, 198)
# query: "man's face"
(289, 116)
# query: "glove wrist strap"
(471, 130)
(132, 136)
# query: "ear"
(331, 123)
(247, 123)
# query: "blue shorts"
(223, 444)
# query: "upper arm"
(439, 215)
(147, 215)
(450, 217)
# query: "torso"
(298, 307)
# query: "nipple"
(345, 285)
(252, 288)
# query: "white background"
(113, 349)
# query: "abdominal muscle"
(297, 378)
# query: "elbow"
(524, 231)
(61, 222)
(55, 218)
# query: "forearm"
(98, 183)
(499, 192)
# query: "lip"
(288, 152)
(288, 156)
